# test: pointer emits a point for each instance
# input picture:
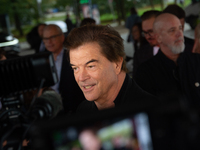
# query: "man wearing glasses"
(173, 74)
(149, 50)
(71, 94)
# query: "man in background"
(148, 50)
(34, 37)
(71, 94)
(2, 54)
(180, 13)
(174, 72)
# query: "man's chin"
(89, 98)
(152, 43)
(178, 49)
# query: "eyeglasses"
(149, 33)
(51, 37)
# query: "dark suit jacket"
(68, 87)
(166, 79)
(189, 43)
(146, 52)
(130, 95)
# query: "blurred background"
(18, 17)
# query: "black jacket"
(140, 56)
(130, 94)
(70, 92)
(161, 77)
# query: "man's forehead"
(148, 24)
(87, 51)
(172, 24)
(50, 30)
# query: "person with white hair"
(174, 72)
(53, 39)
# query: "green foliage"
(61, 4)
(29, 16)
(103, 6)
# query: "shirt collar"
(59, 56)
(119, 98)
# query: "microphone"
(47, 106)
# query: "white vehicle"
(9, 43)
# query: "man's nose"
(179, 33)
(47, 40)
(83, 75)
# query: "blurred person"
(148, 19)
(196, 47)
(146, 51)
(89, 140)
(34, 37)
(86, 21)
(40, 32)
(71, 94)
(69, 23)
(130, 21)
(2, 57)
(181, 2)
(180, 13)
(78, 21)
(2, 54)
(173, 73)
(96, 54)
(41, 28)
(139, 39)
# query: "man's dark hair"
(149, 14)
(139, 25)
(133, 10)
(110, 41)
(87, 21)
(175, 10)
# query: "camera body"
(18, 76)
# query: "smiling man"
(174, 72)
(97, 57)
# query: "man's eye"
(151, 31)
(90, 66)
(172, 30)
(75, 68)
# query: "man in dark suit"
(149, 50)
(173, 73)
(71, 94)
(180, 13)
(97, 57)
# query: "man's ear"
(158, 38)
(118, 65)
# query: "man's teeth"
(87, 87)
